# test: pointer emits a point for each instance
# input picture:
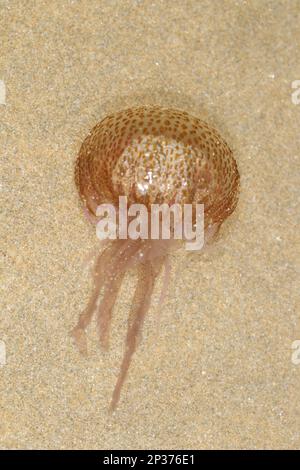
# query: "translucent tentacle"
(123, 261)
(140, 305)
(105, 309)
(85, 318)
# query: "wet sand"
(219, 372)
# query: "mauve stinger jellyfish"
(152, 155)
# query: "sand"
(218, 373)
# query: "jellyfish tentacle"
(78, 332)
(164, 289)
(141, 302)
(105, 309)
(123, 261)
(156, 259)
(140, 260)
(159, 256)
(140, 305)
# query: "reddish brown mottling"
(151, 155)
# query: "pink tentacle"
(78, 333)
(148, 271)
(124, 259)
(141, 303)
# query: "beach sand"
(218, 372)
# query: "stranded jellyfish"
(153, 156)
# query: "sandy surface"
(219, 373)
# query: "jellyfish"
(153, 156)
